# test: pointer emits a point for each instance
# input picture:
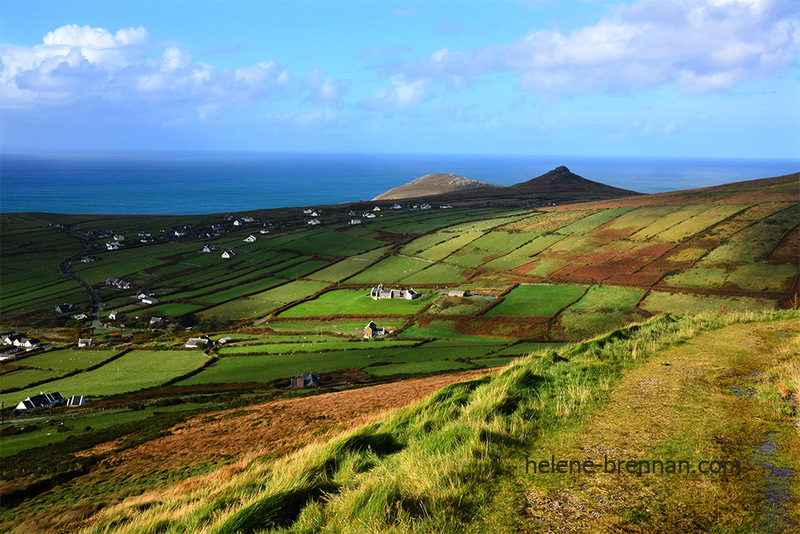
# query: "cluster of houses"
(311, 216)
(21, 341)
(119, 283)
(380, 292)
(49, 400)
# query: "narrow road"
(65, 269)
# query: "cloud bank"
(701, 46)
(84, 63)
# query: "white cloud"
(82, 63)
(403, 93)
(700, 45)
(97, 45)
(325, 89)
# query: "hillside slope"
(435, 184)
(559, 184)
(457, 461)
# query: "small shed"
(76, 400)
(456, 293)
(306, 379)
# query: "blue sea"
(190, 183)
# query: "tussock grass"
(440, 465)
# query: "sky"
(637, 78)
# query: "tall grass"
(431, 467)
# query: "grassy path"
(717, 397)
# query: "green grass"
(756, 242)
(301, 269)
(24, 377)
(274, 366)
(536, 300)
(355, 302)
(439, 273)
(389, 270)
(67, 359)
(291, 291)
(677, 303)
(608, 298)
(591, 221)
(135, 370)
(453, 243)
(439, 329)
(446, 305)
(340, 270)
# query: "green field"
(677, 303)
(389, 270)
(438, 273)
(24, 377)
(419, 359)
(537, 300)
(66, 359)
(135, 370)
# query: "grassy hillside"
(669, 389)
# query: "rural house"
(381, 292)
(305, 380)
(373, 330)
(353, 222)
(65, 308)
(456, 293)
(207, 249)
(85, 343)
(313, 222)
(42, 400)
(228, 254)
(250, 239)
(195, 342)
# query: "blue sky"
(693, 78)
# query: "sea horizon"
(192, 183)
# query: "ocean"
(189, 183)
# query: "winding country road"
(65, 269)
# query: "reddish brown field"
(789, 247)
(502, 326)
